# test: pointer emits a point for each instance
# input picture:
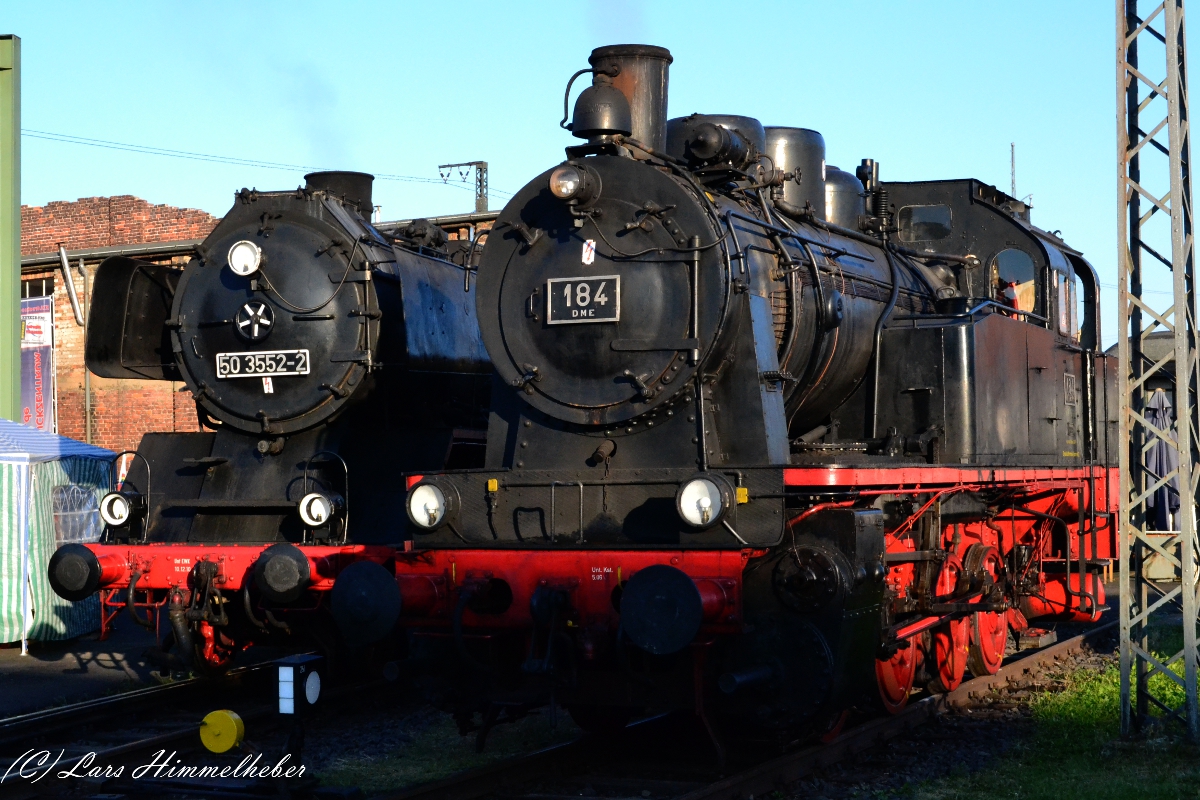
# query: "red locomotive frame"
(431, 582)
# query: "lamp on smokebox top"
(245, 258)
(576, 184)
(299, 683)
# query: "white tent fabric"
(33, 465)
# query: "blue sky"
(930, 89)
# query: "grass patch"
(1076, 751)
(433, 749)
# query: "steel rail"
(773, 774)
(768, 776)
(49, 720)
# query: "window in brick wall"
(37, 287)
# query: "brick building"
(115, 413)
(91, 229)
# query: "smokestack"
(643, 81)
(355, 187)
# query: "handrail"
(346, 488)
(972, 312)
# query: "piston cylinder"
(1065, 603)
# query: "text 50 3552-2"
(262, 363)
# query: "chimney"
(643, 80)
(354, 187)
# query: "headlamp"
(431, 503)
(575, 184)
(245, 257)
(565, 182)
(704, 500)
(316, 509)
(115, 509)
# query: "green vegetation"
(1075, 751)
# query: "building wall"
(108, 221)
(121, 410)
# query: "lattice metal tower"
(1158, 567)
(464, 170)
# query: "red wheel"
(836, 726)
(951, 640)
(895, 677)
(989, 638)
(989, 629)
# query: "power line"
(1114, 287)
(106, 144)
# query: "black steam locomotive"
(764, 439)
(767, 438)
(325, 360)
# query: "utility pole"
(10, 227)
(464, 171)
(1012, 156)
(1154, 156)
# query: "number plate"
(595, 299)
(262, 363)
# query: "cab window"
(1068, 305)
(924, 223)
(1014, 277)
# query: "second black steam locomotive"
(767, 439)
(325, 359)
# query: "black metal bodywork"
(397, 379)
(932, 324)
(783, 373)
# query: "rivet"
(520, 463)
(524, 444)
(527, 423)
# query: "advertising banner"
(38, 393)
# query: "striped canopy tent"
(50, 487)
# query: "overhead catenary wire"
(106, 144)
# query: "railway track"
(130, 728)
(587, 767)
(35, 724)
(556, 764)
